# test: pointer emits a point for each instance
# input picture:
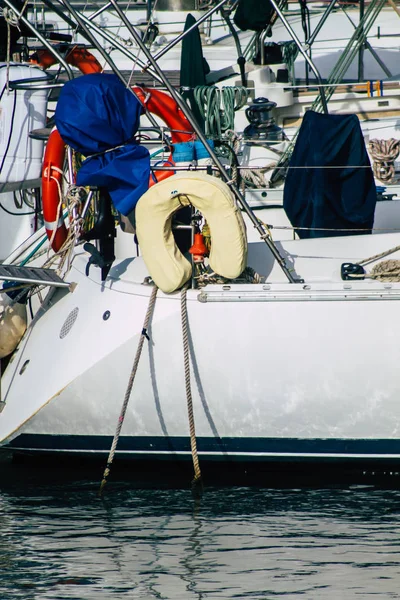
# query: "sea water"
(59, 539)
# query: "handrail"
(186, 32)
(186, 111)
(303, 52)
(34, 84)
(41, 38)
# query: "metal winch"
(262, 128)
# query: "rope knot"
(384, 153)
(10, 17)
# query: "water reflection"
(60, 540)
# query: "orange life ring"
(160, 104)
(78, 57)
(53, 163)
(155, 101)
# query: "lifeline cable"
(129, 388)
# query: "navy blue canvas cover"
(98, 116)
(342, 195)
(253, 14)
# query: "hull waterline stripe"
(221, 455)
(214, 447)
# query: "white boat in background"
(167, 18)
(23, 109)
(292, 359)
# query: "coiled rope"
(384, 153)
(289, 55)
(387, 270)
(217, 107)
(197, 480)
(249, 275)
(72, 201)
(252, 177)
(121, 418)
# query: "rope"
(252, 178)
(384, 153)
(59, 206)
(16, 288)
(128, 42)
(206, 233)
(217, 106)
(255, 178)
(387, 270)
(129, 388)
(348, 229)
(380, 255)
(72, 200)
(197, 481)
(289, 55)
(234, 141)
(12, 20)
(144, 35)
(249, 275)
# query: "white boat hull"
(279, 371)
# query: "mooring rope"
(197, 480)
(121, 418)
(380, 255)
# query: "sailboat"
(263, 351)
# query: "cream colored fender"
(13, 320)
(167, 266)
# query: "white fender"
(167, 266)
(13, 320)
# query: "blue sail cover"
(98, 116)
(342, 197)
